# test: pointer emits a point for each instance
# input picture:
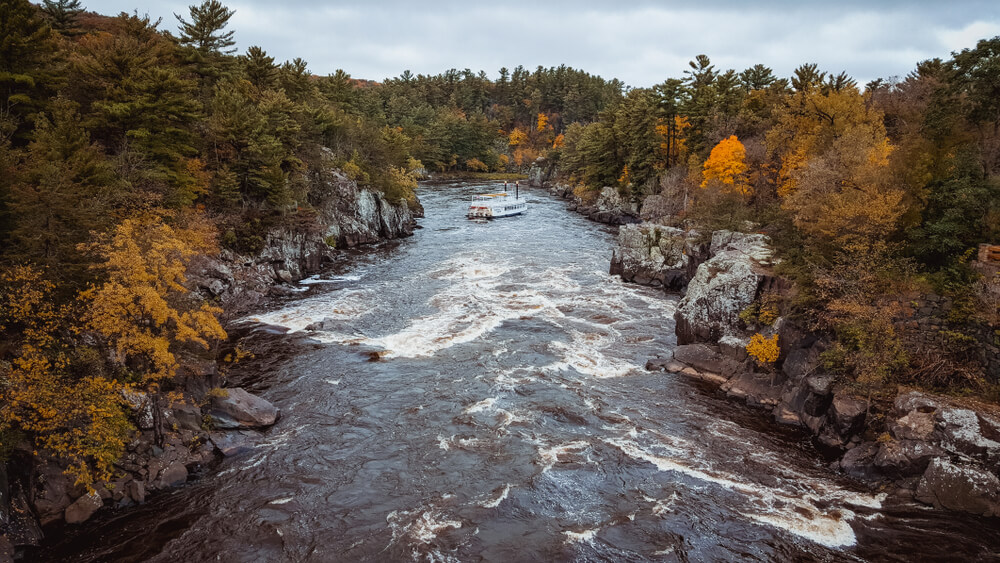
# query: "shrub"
(764, 350)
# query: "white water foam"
(794, 512)
(586, 536)
(485, 404)
(493, 503)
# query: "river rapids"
(477, 393)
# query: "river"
(477, 393)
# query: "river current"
(477, 393)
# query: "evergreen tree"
(259, 69)
(63, 15)
(205, 30)
(28, 76)
(63, 194)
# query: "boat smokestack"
(516, 190)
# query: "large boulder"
(237, 408)
(83, 508)
(722, 287)
(962, 488)
(653, 255)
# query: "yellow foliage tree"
(81, 420)
(726, 165)
(543, 121)
(517, 137)
(143, 309)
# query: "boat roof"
(493, 195)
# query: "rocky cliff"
(346, 216)
(936, 450)
(657, 255)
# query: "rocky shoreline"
(933, 449)
(181, 434)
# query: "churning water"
(508, 417)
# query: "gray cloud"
(640, 42)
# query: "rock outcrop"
(656, 255)
(723, 286)
(347, 216)
(608, 207)
(947, 451)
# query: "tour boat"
(502, 204)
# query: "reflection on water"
(509, 418)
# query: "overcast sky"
(639, 42)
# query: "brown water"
(510, 419)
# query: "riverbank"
(200, 416)
(937, 450)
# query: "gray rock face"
(722, 287)
(955, 487)
(240, 409)
(906, 457)
(141, 407)
(83, 508)
(347, 214)
(539, 173)
(653, 255)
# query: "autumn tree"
(142, 308)
(726, 166)
(76, 415)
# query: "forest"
(129, 146)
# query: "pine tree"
(63, 15)
(28, 76)
(259, 69)
(63, 193)
(204, 31)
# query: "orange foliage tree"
(726, 165)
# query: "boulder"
(722, 287)
(962, 488)
(915, 425)
(653, 255)
(240, 409)
(141, 407)
(234, 443)
(734, 347)
(758, 389)
(83, 508)
(51, 502)
(902, 458)
(188, 416)
(970, 433)
(847, 415)
(701, 357)
(136, 491)
(859, 461)
(174, 474)
(801, 362)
